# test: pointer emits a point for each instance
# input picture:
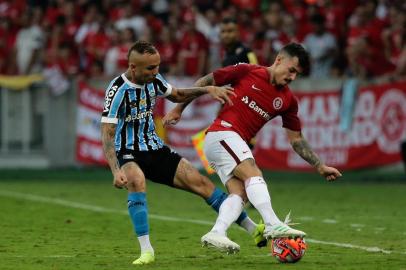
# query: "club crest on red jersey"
(277, 103)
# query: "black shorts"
(159, 166)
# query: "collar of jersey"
(130, 83)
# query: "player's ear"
(132, 67)
(278, 59)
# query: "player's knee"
(136, 186)
(247, 169)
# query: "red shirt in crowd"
(192, 43)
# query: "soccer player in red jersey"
(261, 94)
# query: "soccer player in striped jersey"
(135, 152)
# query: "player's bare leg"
(188, 178)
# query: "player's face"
(144, 67)
(228, 33)
(286, 70)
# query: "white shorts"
(224, 151)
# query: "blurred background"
(57, 57)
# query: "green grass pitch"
(75, 219)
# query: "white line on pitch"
(36, 198)
(112, 256)
(329, 221)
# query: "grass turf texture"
(364, 209)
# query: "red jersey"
(257, 101)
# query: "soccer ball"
(287, 250)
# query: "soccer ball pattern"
(288, 250)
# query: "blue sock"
(217, 198)
(137, 208)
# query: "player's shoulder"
(160, 81)
(159, 77)
(116, 83)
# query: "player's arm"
(301, 147)
(188, 94)
(204, 81)
(108, 131)
(202, 86)
(174, 115)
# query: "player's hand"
(222, 93)
(120, 179)
(171, 118)
(329, 173)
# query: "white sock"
(229, 211)
(248, 225)
(258, 195)
(145, 244)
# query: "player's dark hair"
(142, 46)
(295, 49)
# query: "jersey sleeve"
(290, 119)
(112, 102)
(230, 74)
(164, 89)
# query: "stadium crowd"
(361, 38)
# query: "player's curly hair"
(142, 46)
(295, 49)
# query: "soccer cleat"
(145, 258)
(220, 242)
(258, 235)
(282, 230)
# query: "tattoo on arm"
(108, 133)
(187, 95)
(191, 93)
(304, 150)
(205, 80)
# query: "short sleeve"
(290, 118)
(230, 74)
(112, 101)
(164, 89)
